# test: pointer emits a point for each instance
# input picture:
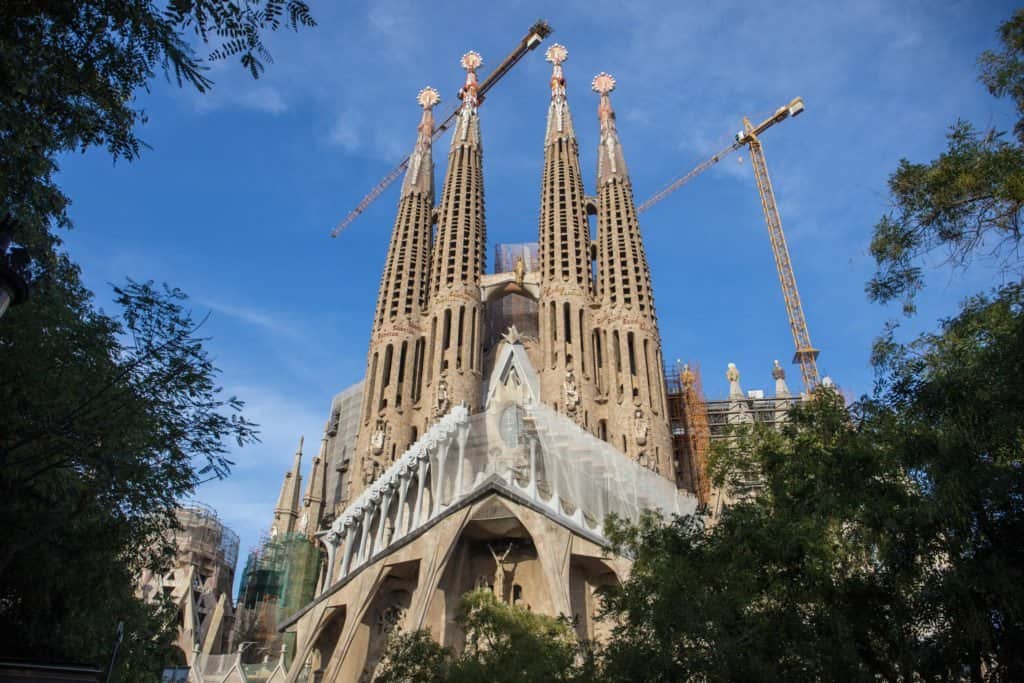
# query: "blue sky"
(234, 201)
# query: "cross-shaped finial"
(428, 97)
(556, 54)
(471, 61)
(603, 83)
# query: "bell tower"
(568, 368)
(392, 407)
(453, 372)
(626, 320)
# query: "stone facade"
(503, 415)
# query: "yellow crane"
(806, 355)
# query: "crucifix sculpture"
(499, 570)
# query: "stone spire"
(559, 119)
(630, 346)
(568, 369)
(420, 176)
(456, 313)
(287, 511)
(610, 161)
(395, 362)
(403, 289)
(313, 501)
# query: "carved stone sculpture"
(378, 437)
(441, 404)
(571, 391)
(499, 571)
(640, 427)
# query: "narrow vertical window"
(401, 374)
(385, 377)
(414, 380)
(472, 339)
(433, 345)
(583, 345)
(373, 384)
(630, 348)
(446, 330)
(458, 341)
(647, 371)
(567, 322)
(618, 351)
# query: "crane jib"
(537, 33)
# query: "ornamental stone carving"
(640, 427)
(442, 402)
(571, 392)
(378, 437)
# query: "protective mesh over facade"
(279, 578)
(342, 430)
(505, 256)
(509, 310)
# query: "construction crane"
(806, 355)
(534, 37)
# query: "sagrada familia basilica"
(503, 416)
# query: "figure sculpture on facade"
(687, 377)
(778, 372)
(441, 405)
(731, 373)
(571, 391)
(640, 427)
(378, 437)
(520, 270)
(499, 571)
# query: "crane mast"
(806, 356)
(534, 37)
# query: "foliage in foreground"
(967, 203)
(69, 73)
(108, 423)
(504, 643)
(884, 543)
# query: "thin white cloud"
(345, 132)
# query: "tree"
(968, 202)
(108, 423)
(789, 584)
(69, 71)
(884, 542)
(503, 643)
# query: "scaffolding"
(691, 433)
(204, 542)
(279, 578)
(505, 256)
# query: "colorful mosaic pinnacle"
(428, 98)
(556, 54)
(603, 83)
(471, 61)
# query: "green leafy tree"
(789, 584)
(70, 69)
(108, 423)
(503, 643)
(883, 542)
(967, 203)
